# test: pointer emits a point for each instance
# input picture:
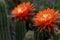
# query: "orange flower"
(46, 19)
(23, 11)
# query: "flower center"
(22, 9)
(45, 17)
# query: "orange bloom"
(46, 19)
(23, 11)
